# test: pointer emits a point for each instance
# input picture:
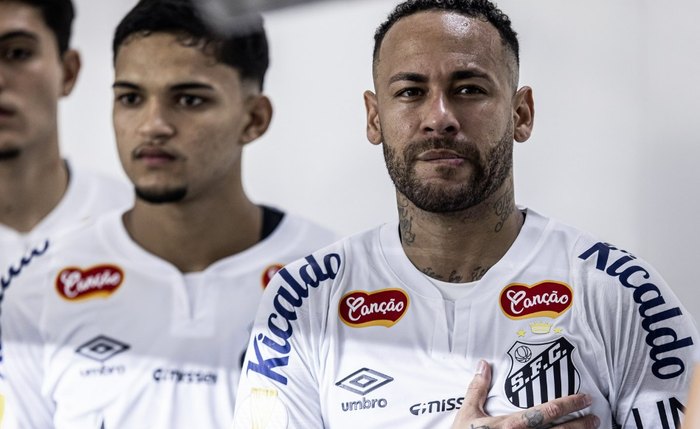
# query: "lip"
(154, 156)
(440, 155)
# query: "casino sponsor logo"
(662, 339)
(268, 273)
(362, 382)
(102, 349)
(438, 406)
(290, 296)
(541, 372)
(177, 376)
(101, 281)
(385, 307)
(544, 299)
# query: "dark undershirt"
(271, 220)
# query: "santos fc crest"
(541, 372)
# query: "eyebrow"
(179, 87)
(458, 75)
(412, 77)
(18, 34)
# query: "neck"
(30, 188)
(462, 246)
(194, 234)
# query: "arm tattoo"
(480, 427)
(405, 223)
(533, 418)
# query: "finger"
(552, 410)
(478, 390)
(586, 422)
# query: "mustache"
(462, 148)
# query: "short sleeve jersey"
(119, 338)
(354, 336)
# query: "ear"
(259, 117)
(374, 127)
(523, 114)
(71, 67)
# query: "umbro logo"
(101, 348)
(364, 381)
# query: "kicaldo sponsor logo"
(543, 299)
(101, 281)
(359, 309)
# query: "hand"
(473, 416)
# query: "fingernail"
(587, 400)
(481, 367)
(596, 421)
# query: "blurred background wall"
(614, 149)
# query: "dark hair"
(245, 50)
(58, 16)
(482, 9)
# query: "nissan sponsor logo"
(438, 406)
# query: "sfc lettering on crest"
(541, 372)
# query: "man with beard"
(384, 329)
(145, 314)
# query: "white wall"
(613, 151)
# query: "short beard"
(161, 196)
(488, 175)
(9, 154)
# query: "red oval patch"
(543, 299)
(268, 273)
(101, 281)
(380, 308)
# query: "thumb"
(477, 392)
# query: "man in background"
(40, 193)
(146, 313)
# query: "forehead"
(435, 39)
(168, 59)
(16, 16)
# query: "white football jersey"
(119, 338)
(354, 336)
(88, 194)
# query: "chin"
(161, 196)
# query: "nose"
(439, 117)
(155, 125)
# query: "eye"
(17, 54)
(409, 92)
(129, 99)
(188, 100)
(470, 90)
